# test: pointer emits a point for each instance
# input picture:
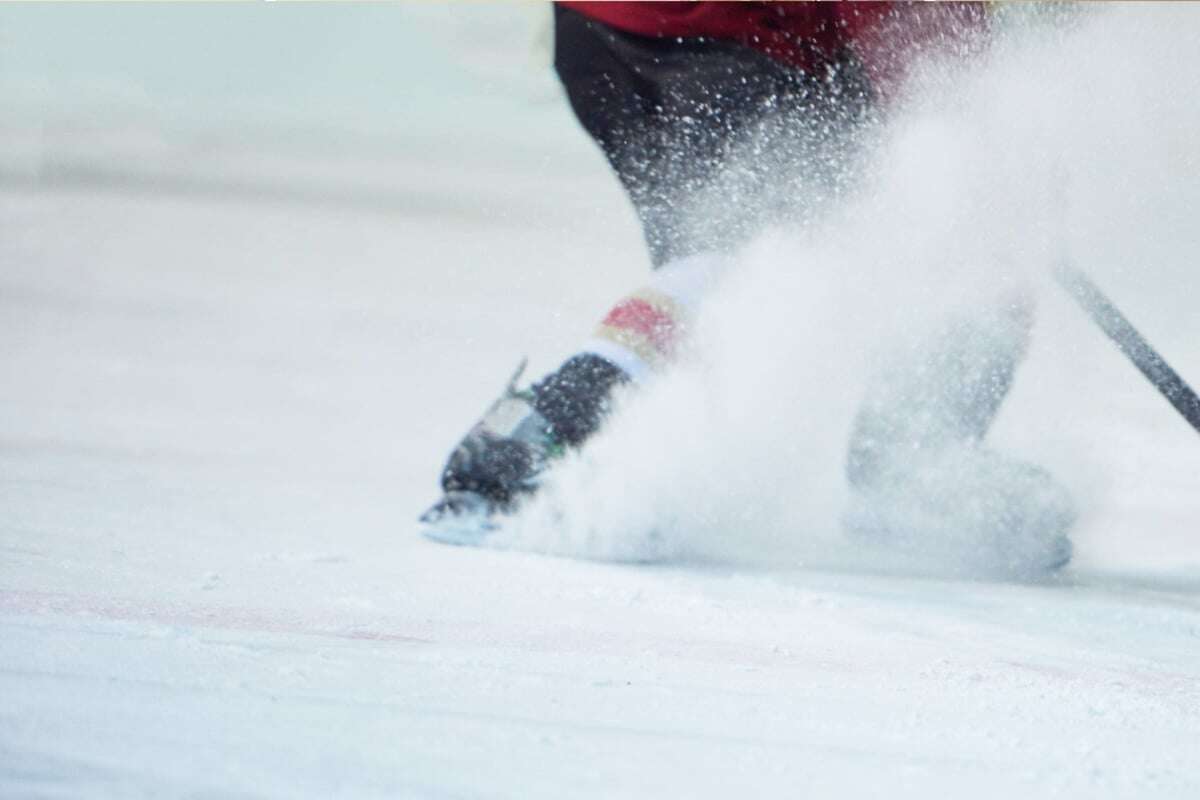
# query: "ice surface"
(234, 359)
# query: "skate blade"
(911, 550)
(459, 532)
(461, 519)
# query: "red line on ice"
(214, 617)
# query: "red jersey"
(883, 36)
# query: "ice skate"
(969, 512)
(496, 465)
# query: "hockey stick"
(1130, 342)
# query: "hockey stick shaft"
(1130, 342)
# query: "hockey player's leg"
(944, 389)
(666, 113)
(922, 481)
(616, 83)
(504, 457)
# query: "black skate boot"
(502, 459)
(497, 462)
